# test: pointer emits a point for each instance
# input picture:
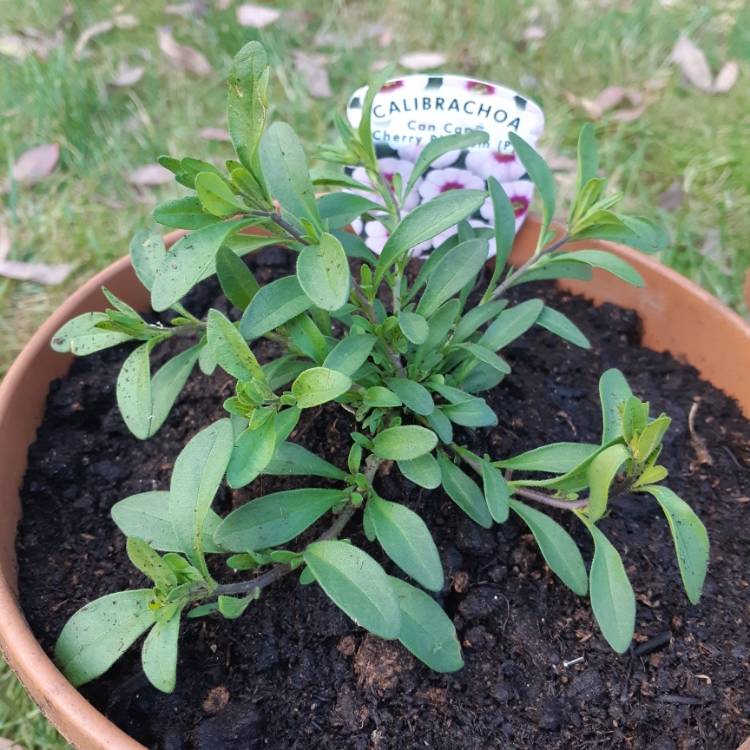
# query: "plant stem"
(277, 572)
(513, 276)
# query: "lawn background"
(695, 143)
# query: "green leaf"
(274, 519)
(562, 326)
(651, 437)
(272, 306)
(555, 458)
(284, 166)
(184, 213)
(323, 273)
(81, 336)
(291, 459)
(511, 324)
(601, 472)
(473, 412)
(441, 425)
(426, 630)
(159, 654)
(607, 261)
(146, 516)
(635, 231)
(464, 492)
(483, 354)
(614, 392)
(236, 279)
(405, 538)
(413, 326)
(540, 174)
(587, 156)
(251, 454)
(496, 492)
(189, 261)
(559, 550)
(147, 252)
(427, 221)
(150, 564)
(404, 442)
(505, 223)
(477, 317)
(459, 266)
(634, 417)
(232, 607)
(216, 196)
(341, 208)
(196, 477)
(612, 598)
(555, 269)
(380, 397)
(350, 353)
(423, 471)
(95, 637)
(357, 584)
(133, 391)
(247, 102)
(690, 539)
(318, 385)
(167, 384)
(365, 124)
(230, 350)
(413, 395)
(439, 146)
(307, 336)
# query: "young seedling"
(408, 359)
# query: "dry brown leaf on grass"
(692, 62)
(534, 33)
(4, 250)
(422, 60)
(36, 163)
(215, 134)
(312, 68)
(180, 55)
(40, 273)
(727, 77)
(672, 198)
(150, 175)
(127, 75)
(608, 99)
(20, 46)
(257, 16)
(6, 744)
(187, 10)
(119, 21)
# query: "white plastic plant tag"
(408, 112)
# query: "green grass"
(85, 212)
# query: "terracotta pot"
(677, 315)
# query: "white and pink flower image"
(519, 193)
(389, 168)
(411, 153)
(503, 167)
(441, 180)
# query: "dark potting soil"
(294, 672)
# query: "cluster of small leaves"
(409, 369)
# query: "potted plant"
(408, 355)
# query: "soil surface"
(294, 672)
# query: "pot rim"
(62, 704)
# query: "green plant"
(405, 358)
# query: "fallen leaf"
(36, 163)
(215, 134)
(20, 46)
(41, 273)
(726, 78)
(4, 250)
(672, 198)
(558, 163)
(312, 68)
(378, 65)
(150, 175)
(8, 744)
(628, 115)
(610, 97)
(257, 16)
(702, 454)
(187, 10)
(127, 75)
(534, 34)
(223, 4)
(120, 21)
(713, 250)
(423, 60)
(183, 57)
(691, 61)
